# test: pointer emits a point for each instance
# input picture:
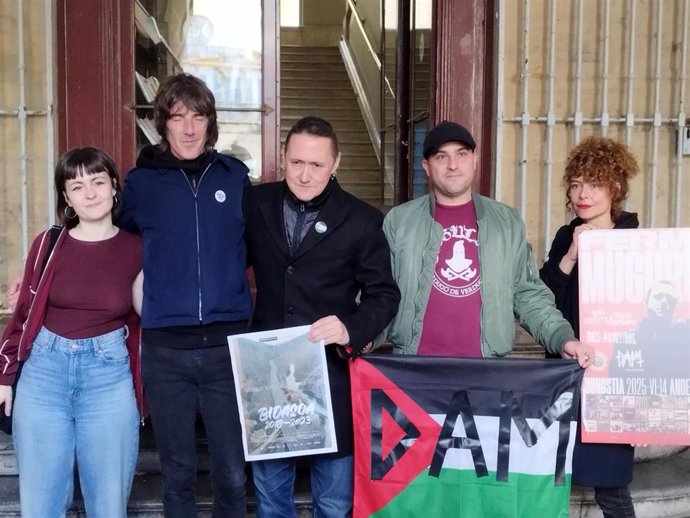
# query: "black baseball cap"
(447, 132)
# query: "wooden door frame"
(270, 127)
(463, 71)
(95, 75)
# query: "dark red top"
(91, 292)
(452, 322)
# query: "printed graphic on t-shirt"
(452, 323)
(457, 265)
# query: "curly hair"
(604, 161)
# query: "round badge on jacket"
(220, 196)
(320, 227)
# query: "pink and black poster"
(635, 311)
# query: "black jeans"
(177, 383)
(615, 502)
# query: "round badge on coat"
(220, 196)
(320, 227)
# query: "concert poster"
(634, 290)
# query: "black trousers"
(177, 384)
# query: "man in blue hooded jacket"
(186, 200)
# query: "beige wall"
(643, 91)
(322, 24)
(323, 12)
(14, 232)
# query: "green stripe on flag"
(460, 494)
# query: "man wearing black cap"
(464, 267)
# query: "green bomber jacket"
(510, 284)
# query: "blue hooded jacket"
(194, 252)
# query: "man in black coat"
(319, 258)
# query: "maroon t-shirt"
(91, 292)
(452, 322)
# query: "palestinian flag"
(463, 437)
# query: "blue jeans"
(178, 383)
(332, 481)
(75, 399)
(615, 502)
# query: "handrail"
(353, 7)
(374, 54)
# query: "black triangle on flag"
(380, 466)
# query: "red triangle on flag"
(392, 434)
(371, 495)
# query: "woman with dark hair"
(596, 178)
(75, 399)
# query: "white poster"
(283, 394)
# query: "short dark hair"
(84, 161)
(193, 93)
(604, 161)
(317, 127)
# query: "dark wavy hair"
(604, 161)
(317, 127)
(193, 93)
(79, 162)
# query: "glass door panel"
(420, 71)
(221, 42)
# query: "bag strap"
(54, 234)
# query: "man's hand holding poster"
(281, 381)
(635, 311)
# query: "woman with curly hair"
(596, 179)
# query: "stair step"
(314, 102)
(145, 501)
(363, 192)
(349, 148)
(309, 58)
(300, 68)
(323, 103)
(341, 127)
(335, 111)
(311, 68)
(316, 92)
(288, 51)
(311, 84)
(344, 131)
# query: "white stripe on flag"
(540, 459)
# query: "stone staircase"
(314, 82)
